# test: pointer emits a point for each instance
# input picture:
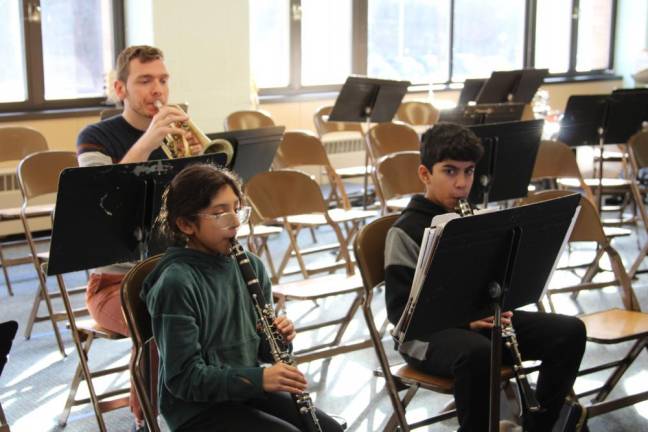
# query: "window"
(553, 27)
(409, 39)
(62, 54)
(13, 83)
(488, 36)
(423, 41)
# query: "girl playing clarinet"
(204, 324)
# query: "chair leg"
(43, 295)
(4, 426)
(6, 273)
(613, 379)
(628, 295)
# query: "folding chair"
(248, 120)
(296, 200)
(386, 138)
(638, 151)
(302, 148)
(8, 331)
(555, 157)
(396, 177)
(418, 113)
(139, 326)
(588, 228)
(556, 162)
(369, 249)
(17, 143)
(84, 334)
(38, 176)
(332, 131)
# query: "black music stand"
(470, 90)
(368, 100)
(105, 215)
(499, 88)
(528, 84)
(504, 171)
(483, 113)
(254, 149)
(517, 250)
(603, 119)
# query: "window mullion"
(451, 41)
(360, 37)
(613, 33)
(573, 51)
(295, 43)
(34, 53)
(530, 33)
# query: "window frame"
(33, 52)
(359, 50)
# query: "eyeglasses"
(228, 220)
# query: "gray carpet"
(34, 384)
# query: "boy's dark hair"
(449, 141)
(190, 192)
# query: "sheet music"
(429, 243)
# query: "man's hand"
(286, 328)
(195, 147)
(488, 323)
(281, 377)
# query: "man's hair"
(143, 53)
(449, 141)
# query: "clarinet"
(508, 333)
(278, 348)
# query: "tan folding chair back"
(386, 138)
(139, 326)
(556, 160)
(323, 126)
(588, 226)
(19, 142)
(248, 119)
(301, 148)
(38, 173)
(638, 148)
(277, 194)
(417, 113)
(369, 249)
(397, 174)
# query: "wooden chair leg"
(43, 295)
(6, 272)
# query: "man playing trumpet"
(142, 86)
(134, 136)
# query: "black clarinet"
(278, 348)
(508, 333)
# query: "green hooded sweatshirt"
(205, 328)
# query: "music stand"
(470, 90)
(254, 149)
(105, 214)
(517, 250)
(528, 84)
(483, 113)
(505, 169)
(499, 87)
(368, 100)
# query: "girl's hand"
(286, 328)
(282, 377)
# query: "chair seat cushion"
(259, 230)
(90, 326)
(594, 182)
(615, 325)
(338, 215)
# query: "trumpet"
(176, 145)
